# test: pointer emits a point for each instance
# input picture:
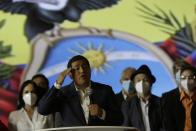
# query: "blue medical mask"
(178, 77)
(128, 86)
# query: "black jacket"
(67, 102)
(119, 100)
(174, 112)
(133, 114)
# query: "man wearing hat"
(143, 110)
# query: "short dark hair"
(76, 58)
(43, 76)
(181, 63)
(191, 68)
(20, 97)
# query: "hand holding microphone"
(94, 109)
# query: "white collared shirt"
(145, 110)
(85, 101)
(124, 95)
(20, 121)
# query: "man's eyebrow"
(75, 66)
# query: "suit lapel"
(93, 95)
(140, 113)
(76, 105)
(151, 110)
(93, 100)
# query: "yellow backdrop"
(122, 17)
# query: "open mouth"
(84, 76)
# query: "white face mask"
(188, 85)
(30, 99)
(143, 87)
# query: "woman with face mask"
(26, 118)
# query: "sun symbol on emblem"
(96, 57)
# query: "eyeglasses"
(188, 77)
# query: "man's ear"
(70, 75)
(121, 81)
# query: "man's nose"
(81, 69)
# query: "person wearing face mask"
(180, 109)
(26, 118)
(177, 67)
(143, 110)
(128, 89)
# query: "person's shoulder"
(176, 90)
(67, 87)
(100, 85)
(19, 111)
(119, 94)
(131, 102)
(133, 99)
(15, 114)
(172, 93)
(155, 99)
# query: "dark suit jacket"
(67, 102)
(133, 114)
(174, 112)
(120, 99)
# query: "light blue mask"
(128, 86)
(178, 77)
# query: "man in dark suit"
(83, 102)
(128, 89)
(127, 86)
(143, 110)
(177, 67)
(179, 108)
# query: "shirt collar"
(124, 94)
(183, 95)
(147, 101)
(77, 89)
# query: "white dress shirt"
(145, 110)
(85, 101)
(124, 95)
(19, 121)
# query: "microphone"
(89, 92)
